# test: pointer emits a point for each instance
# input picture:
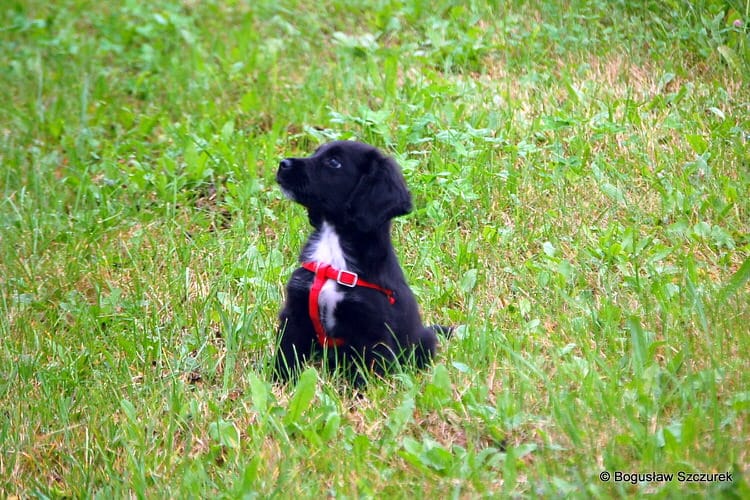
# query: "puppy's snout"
(285, 164)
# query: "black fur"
(353, 190)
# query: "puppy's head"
(347, 183)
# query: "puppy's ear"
(380, 195)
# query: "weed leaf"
(639, 344)
(129, 410)
(736, 282)
(303, 395)
(613, 192)
(225, 433)
(469, 280)
(259, 392)
(402, 415)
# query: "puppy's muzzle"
(285, 164)
(290, 179)
(286, 167)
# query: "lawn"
(581, 179)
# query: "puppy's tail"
(445, 331)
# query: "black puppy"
(349, 298)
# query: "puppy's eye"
(333, 163)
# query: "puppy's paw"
(442, 330)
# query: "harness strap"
(323, 273)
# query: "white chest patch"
(327, 250)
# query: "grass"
(581, 177)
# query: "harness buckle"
(353, 278)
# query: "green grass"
(580, 171)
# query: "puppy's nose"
(285, 164)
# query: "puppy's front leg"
(424, 346)
(295, 347)
(377, 359)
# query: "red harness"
(323, 273)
